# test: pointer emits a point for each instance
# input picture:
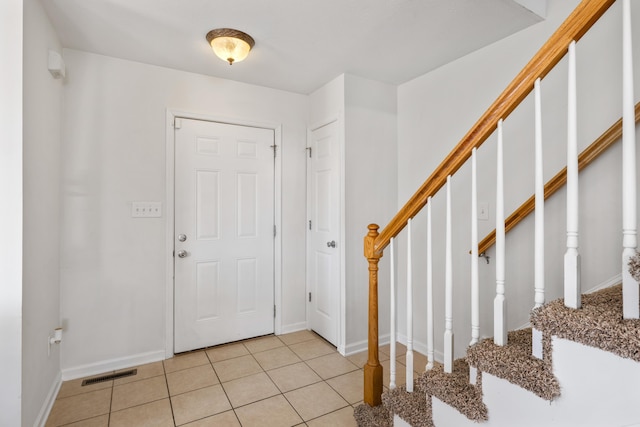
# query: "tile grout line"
(208, 416)
(321, 380)
(113, 384)
(281, 393)
(340, 394)
(264, 371)
(166, 381)
(289, 402)
(331, 412)
(222, 386)
(223, 389)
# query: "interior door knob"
(331, 244)
(182, 253)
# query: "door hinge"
(309, 149)
(309, 296)
(309, 224)
(275, 150)
(274, 230)
(177, 123)
(274, 310)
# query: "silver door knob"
(182, 254)
(182, 237)
(331, 244)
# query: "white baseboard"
(360, 346)
(48, 403)
(523, 326)
(421, 347)
(418, 346)
(355, 347)
(295, 327)
(615, 280)
(112, 365)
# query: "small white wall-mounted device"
(56, 65)
(56, 338)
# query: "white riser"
(597, 389)
(399, 422)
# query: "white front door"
(324, 245)
(224, 233)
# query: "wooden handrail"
(585, 158)
(573, 28)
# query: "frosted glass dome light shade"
(230, 45)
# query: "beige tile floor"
(296, 379)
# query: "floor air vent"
(109, 377)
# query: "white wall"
(437, 109)
(41, 240)
(539, 7)
(11, 211)
(370, 193)
(112, 266)
(327, 103)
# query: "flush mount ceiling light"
(230, 45)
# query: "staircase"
(589, 376)
(579, 363)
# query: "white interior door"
(224, 233)
(324, 246)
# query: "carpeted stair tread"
(598, 323)
(414, 408)
(514, 363)
(455, 390)
(377, 416)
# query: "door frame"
(342, 297)
(171, 115)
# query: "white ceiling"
(300, 44)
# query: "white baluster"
(448, 281)
(392, 328)
(539, 221)
(475, 292)
(500, 303)
(572, 289)
(630, 291)
(429, 290)
(409, 355)
(539, 208)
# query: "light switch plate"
(146, 209)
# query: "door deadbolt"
(182, 237)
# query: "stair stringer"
(598, 388)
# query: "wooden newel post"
(373, 369)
